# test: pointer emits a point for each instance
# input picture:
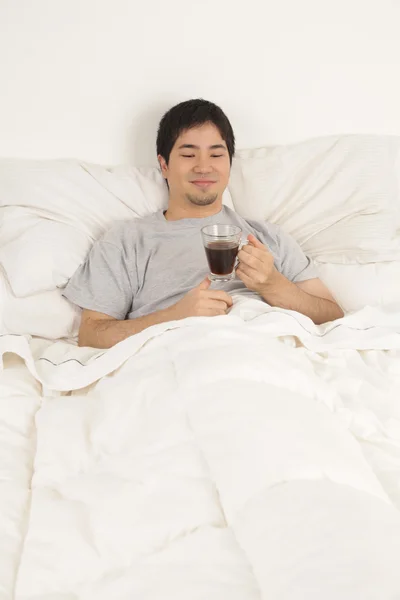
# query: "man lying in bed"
(151, 270)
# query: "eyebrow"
(214, 147)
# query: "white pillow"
(43, 256)
(63, 191)
(355, 286)
(337, 196)
(54, 210)
(47, 314)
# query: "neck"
(191, 211)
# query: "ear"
(163, 166)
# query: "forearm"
(285, 294)
(105, 333)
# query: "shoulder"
(242, 221)
(282, 241)
(272, 230)
(118, 233)
(268, 233)
(122, 233)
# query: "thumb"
(255, 242)
(205, 284)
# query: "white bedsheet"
(20, 397)
(250, 456)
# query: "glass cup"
(221, 243)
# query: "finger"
(220, 295)
(256, 243)
(247, 270)
(217, 304)
(250, 260)
(248, 281)
(253, 251)
(205, 284)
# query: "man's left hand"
(256, 266)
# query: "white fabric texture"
(354, 286)
(337, 196)
(20, 398)
(45, 314)
(248, 456)
(31, 259)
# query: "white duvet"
(250, 456)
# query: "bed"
(248, 456)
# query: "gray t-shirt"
(144, 265)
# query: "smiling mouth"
(203, 183)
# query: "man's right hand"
(201, 302)
(99, 330)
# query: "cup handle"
(244, 243)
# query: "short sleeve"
(294, 264)
(102, 283)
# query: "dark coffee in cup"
(221, 243)
(221, 257)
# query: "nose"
(203, 165)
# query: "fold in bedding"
(250, 456)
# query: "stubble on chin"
(202, 200)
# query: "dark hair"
(187, 115)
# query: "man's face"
(199, 166)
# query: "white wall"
(91, 78)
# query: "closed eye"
(192, 155)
